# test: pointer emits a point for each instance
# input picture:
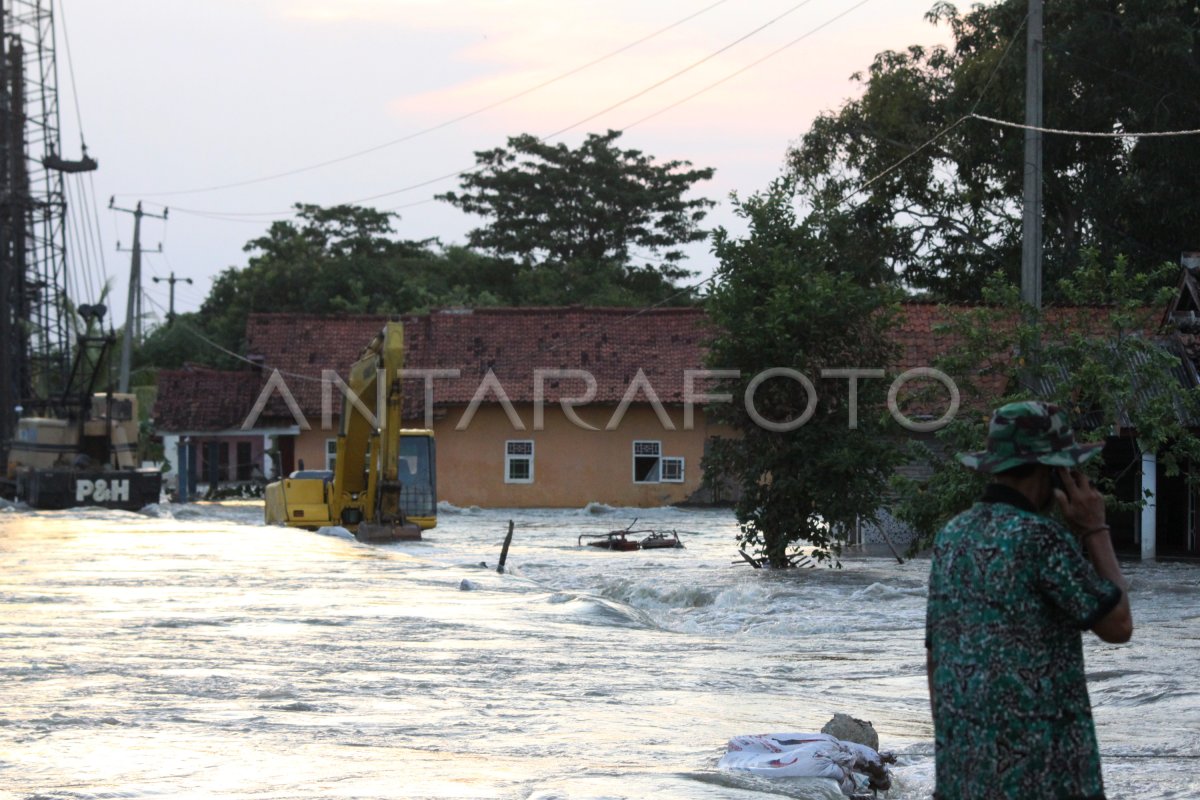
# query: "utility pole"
(171, 304)
(133, 311)
(1031, 251)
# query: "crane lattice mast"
(35, 316)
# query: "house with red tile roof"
(202, 409)
(530, 406)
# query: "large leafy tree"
(582, 219)
(786, 298)
(945, 210)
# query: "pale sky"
(179, 95)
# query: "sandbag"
(854, 767)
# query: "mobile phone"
(1056, 480)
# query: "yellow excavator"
(384, 482)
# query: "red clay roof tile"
(610, 343)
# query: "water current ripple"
(191, 652)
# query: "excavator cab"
(418, 477)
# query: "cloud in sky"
(229, 90)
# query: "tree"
(1103, 362)
(785, 299)
(172, 346)
(578, 215)
(945, 210)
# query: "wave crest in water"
(446, 507)
(591, 610)
(884, 591)
(659, 595)
(242, 660)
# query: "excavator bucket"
(388, 532)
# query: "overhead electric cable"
(196, 334)
(559, 132)
(1089, 134)
(1120, 73)
(688, 68)
(447, 123)
(746, 68)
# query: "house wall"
(310, 446)
(571, 466)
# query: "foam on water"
(191, 651)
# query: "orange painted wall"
(572, 466)
(310, 446)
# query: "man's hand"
(1081, 504)
(1083, 508)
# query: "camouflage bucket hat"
(1029, 432)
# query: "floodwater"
(192, 652)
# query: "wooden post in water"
(504, 549)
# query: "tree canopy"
(582, 215)
(944, 210)
(786, 300)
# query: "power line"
(1088, 134)
(746, 68)
(216, 214)
(686, 69)
(447, 123)
(895, 166)
(625, 100)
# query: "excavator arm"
(367, 493)
(366, 486)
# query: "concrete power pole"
(1031, 252)
(171, 304)
(133, 309)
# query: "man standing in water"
(1010, 591)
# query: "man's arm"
(1117, 625)
(1083, 508)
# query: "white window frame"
(330, 454)
(663, 463)
(510, 457)
(657, 471)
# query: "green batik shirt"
(1009, 593)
